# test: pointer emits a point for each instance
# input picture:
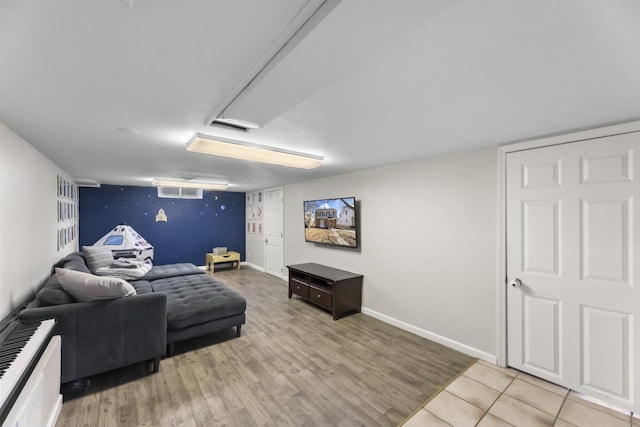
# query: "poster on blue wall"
(180, 230)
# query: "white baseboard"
(264, 270)
(463, 348)
(246, 264)
(255, 267)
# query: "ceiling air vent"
(225, 125)
(180, 193)
(235, 124)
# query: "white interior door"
(573, 243)
(274, 232)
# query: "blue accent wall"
(192, 229)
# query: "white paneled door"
(274, 232)
(573, 246)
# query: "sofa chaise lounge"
(172, 303)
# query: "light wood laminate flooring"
(293, 365)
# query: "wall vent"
(191, 193)
(87, 182)
(180, 193)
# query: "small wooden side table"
(228, 257)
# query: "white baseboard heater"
(29, 375)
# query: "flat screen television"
(331, 222)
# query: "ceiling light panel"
(255, 153)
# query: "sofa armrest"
(104, 335)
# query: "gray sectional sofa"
(173, 302)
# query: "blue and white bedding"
(125, 268)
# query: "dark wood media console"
(336, 290)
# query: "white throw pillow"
(87, 287)
(97, 257)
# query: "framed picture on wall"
(66, 212)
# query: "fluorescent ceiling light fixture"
(189, 184)
(257, 153)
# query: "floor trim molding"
(471, 351)
(255, 267)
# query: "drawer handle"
(319, 295)
(297, 287)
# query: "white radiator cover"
(40, 401)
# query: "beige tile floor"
(488, 396)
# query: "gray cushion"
(196, 299)
(87, 287)
(74, 261)
(52, 293)
(97, 257)
(171, 270)
(141, 287)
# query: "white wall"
(428, 244)
(28, 219)
(255, 250)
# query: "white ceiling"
(114, 93)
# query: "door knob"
(515, 283)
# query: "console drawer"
(298, 288)
(320, 297)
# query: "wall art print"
(255, 206)
(66, 213)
